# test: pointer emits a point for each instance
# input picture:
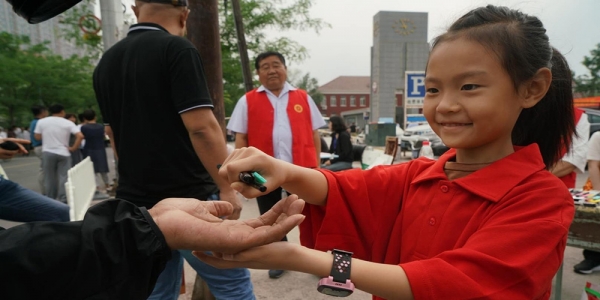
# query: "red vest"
(570, 179)
(261, 118)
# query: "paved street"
(291, 285)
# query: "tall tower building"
(399, 45)
(46, 31)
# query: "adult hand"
(252, 159)
(232, 197)
(7, 154)
(192, 224)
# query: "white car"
(413, 137)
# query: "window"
(363, 101)
(352, 101)
(332, 101)
(343, 101)
(324, 104)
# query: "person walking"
(152, 84)
(56, 130)
(95, 149)
(39, 112)
(280, 120)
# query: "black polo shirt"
(143, 83)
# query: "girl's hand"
(274, 256)
(328, 163)
(252, 159)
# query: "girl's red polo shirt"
(498, 233)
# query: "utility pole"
(243, 48)
(203, 32)
(111, 15)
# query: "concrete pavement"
(292, 285)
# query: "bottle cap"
(425, 143)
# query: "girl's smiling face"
(471, 101)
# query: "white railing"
(80, 188)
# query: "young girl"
(340, 146)
(486, 220)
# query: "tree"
(258, 16)
(589, 84)
(31, 74)
(310, 85)
(77, 19)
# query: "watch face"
(330, 287)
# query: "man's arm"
(562, 168)
(38, 136)
(132, 251)
(594, 173)
(241, 140)
(209, 144)
(77, 143)
(111, 137)
(317, 141)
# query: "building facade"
(46, 31)
(349, 97)
(399, 45)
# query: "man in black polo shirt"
(156, 107)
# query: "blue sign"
(416, 119)
(415, 85)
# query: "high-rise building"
(46, 31)
(399, 45)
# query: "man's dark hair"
(56, 108)
(37, 110)
(89, 114)
(80, 117)
(264, 55)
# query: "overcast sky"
(573, 27)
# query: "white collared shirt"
(282, 132)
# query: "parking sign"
(415, 84)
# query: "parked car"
(413, 138)
(593, 118)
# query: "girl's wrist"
(313, 261)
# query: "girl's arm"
(386, 281)
(309, 184)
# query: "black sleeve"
(344, 148)
(116, 252)
(188, 84)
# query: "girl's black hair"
(521, 44)
(337, 124)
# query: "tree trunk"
(203, 32)
(243, 48)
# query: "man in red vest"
(280, 120)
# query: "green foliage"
(31, 74)
(310, 85)
(589, 84)
(259, 16)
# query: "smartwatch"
(338, 283)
